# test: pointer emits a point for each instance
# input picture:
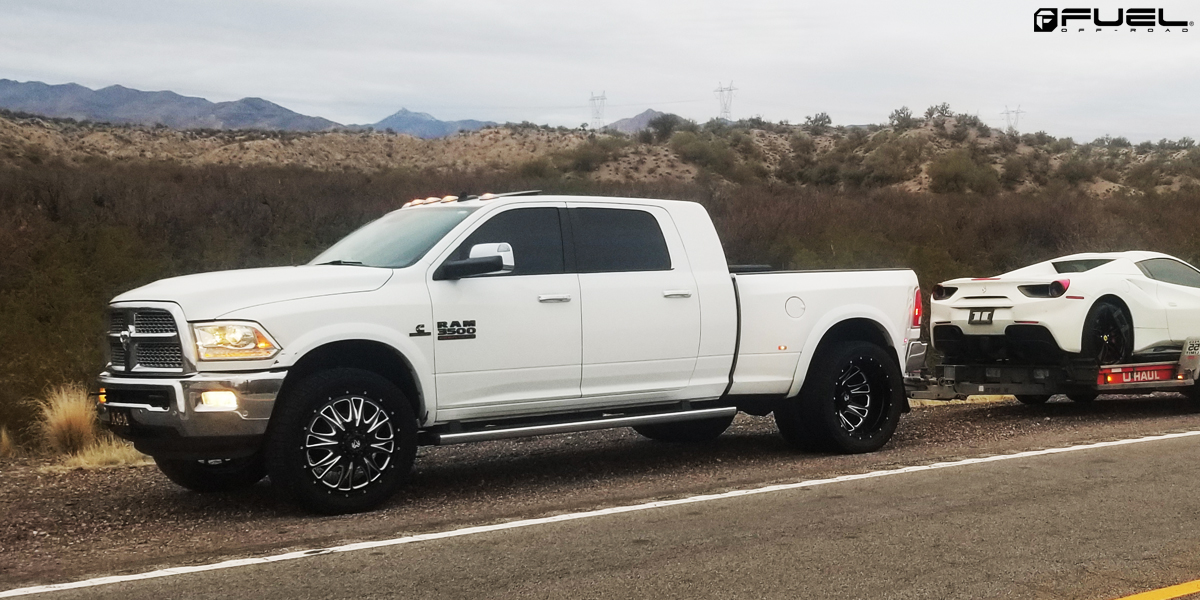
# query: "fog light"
(102, 396)
(218, 400)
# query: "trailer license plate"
(981, 316)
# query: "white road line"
(243, 562)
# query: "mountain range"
(635, 123)
(126, 106)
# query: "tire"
(1031, 399)
(1107, 335)
(850, 403)
(686, 432)
(209, 476)
(1082, 397)
(344, 442)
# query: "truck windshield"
(395, 240)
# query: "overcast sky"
(357, 61)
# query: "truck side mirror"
(503, 250)
(484, 259)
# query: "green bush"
(956, 171)
(894, 161)
(818, 124)
(1015, 169)
(902, 119)
(1075, 171)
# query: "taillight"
(1058, 288)
(941, 292)
(916, 320)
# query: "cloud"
(358, 61)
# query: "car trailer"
(1034, 384)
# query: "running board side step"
(444, 439)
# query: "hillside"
(943, 153)
(122, 105)
(424, 126)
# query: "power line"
(725, 97)
(597, 103)
(1012, 118)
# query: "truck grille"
(154, 321)
(144, 341)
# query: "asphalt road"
(1098, 523)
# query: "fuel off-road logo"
(1150, 20)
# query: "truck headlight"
(233, 341)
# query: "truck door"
(641, 313)
(509, 338)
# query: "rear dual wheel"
(850, 403)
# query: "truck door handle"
(677, 294)
(554, 298)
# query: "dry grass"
(107, 451)
(8, 447)
(916, 402)
(69, 419)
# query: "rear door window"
(618, 240)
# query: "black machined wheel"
(1107, 334)
(349, 442)
(343, 441)
(851, 401)
(216, 475)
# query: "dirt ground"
(66, 525)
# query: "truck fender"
(836, 317)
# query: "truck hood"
(211, 295)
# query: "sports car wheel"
(850, 402)
(344, 442)
(1107, 334)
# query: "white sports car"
(1110, 308)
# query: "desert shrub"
(902, 119)
(956, 171)
(588, 156)
(1185, 143)
(1061, 145)
(645, 136)
(802, 145)
(8, 447)
(1145, 147)
(1109, 174)
(664, 125)
(938, 110)
(705, 150)
(538, 168)
(1038, 140)
(1144, 176)
(1075, 171)
(894, 161)
(68, 419)
(818, 124)
(1015, 169)
(107, 451)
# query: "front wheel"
(850, 403)
(343, 441)
(686, 432)
(208, 476)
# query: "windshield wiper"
(341, 262)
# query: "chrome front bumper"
(165, 417)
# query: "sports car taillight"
(1053, 289)
(1058, 288)
(916, 320)
(941, 292)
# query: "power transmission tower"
(725, 97)
(598, 110)
(1012, 118)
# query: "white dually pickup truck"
(494, 317)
